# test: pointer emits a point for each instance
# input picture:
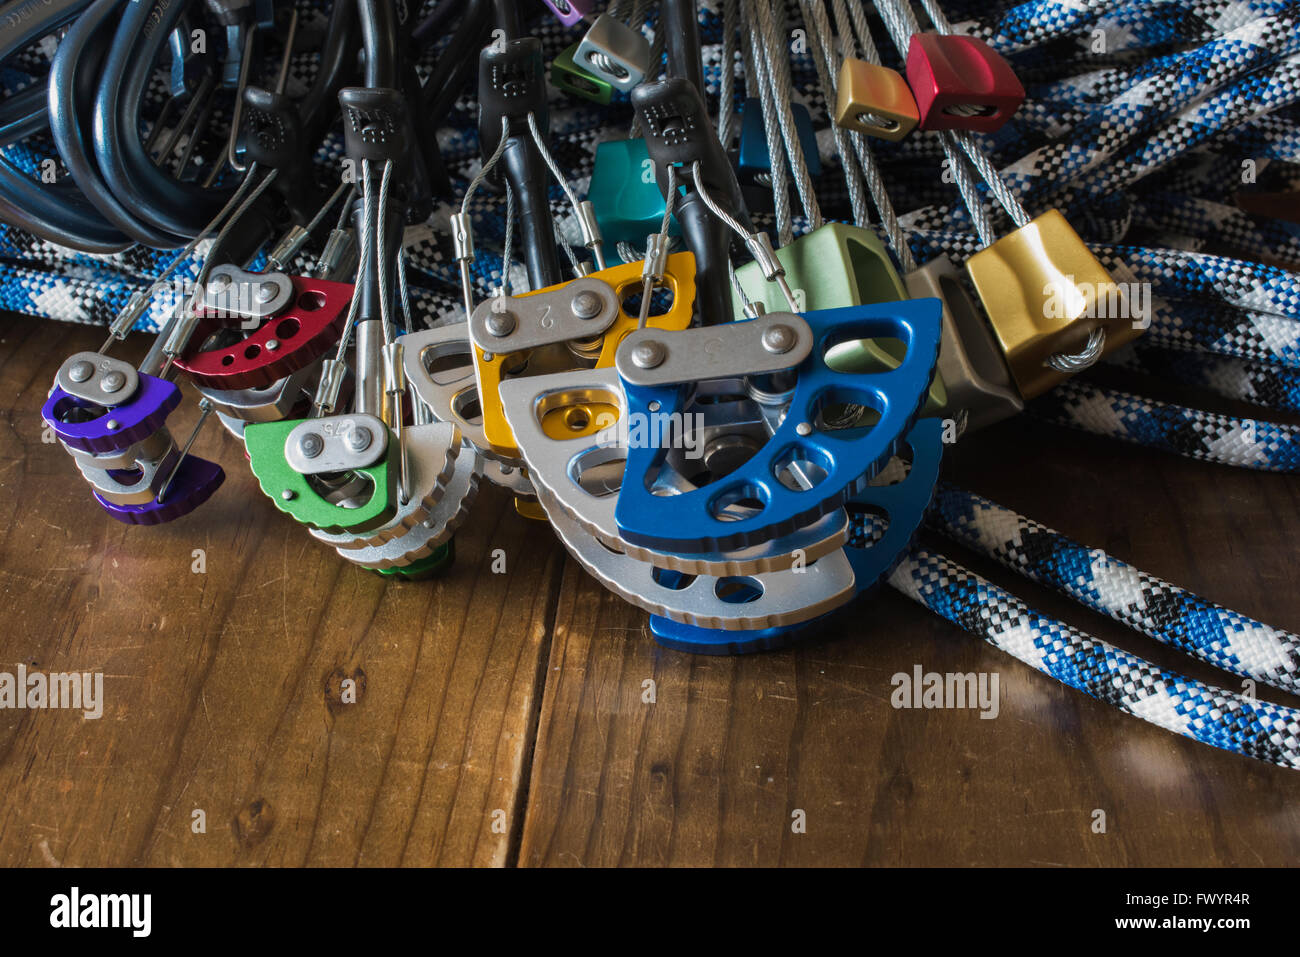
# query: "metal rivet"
(219, 282)
(803, 428)
(359, 438)
(272, 345)
(648, 354)
(267, 291)
(112, 382)
(779, 339)
(311, 445)
(111, 424)
(500, 323)
(288, 495)
(586, 305)
(81, 371)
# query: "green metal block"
(625, 195)
(297, 496)
(566, 75)
(831, 267)
(443, 557)
(834, 266)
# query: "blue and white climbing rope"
(1214, 716)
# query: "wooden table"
(503, 719)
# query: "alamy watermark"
(1067, 299)
(220, 298)
(75, 909)
(658, 430)
(932, 689)
(83, 691)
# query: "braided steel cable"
(777, 75)
(853, 21)
(824, 64)
(727, 84)
(992, 178)
(968, 191)
(902, 25)
(819, 33)
(507, 243)
(771, 130)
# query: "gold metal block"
(875, 100)
(1045, 292)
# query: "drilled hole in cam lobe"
(126, 476)
(599, 471)
(669, 578)
(848, 417)
(287, 328)
(223, 338)
(846, 413)
(661, 300)
(253, 351)
(447, 365)
(801, 468)
(739, 503)
(738, 591)
(867, 524)
(343, 489)
(311, 301)
(228, 360)
(515, 364)
(896, 470)
(853, 353)
(72, 411)
(466, 405)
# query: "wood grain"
(713, 771)
(223, 688)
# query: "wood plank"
(712, 772)
(222, 689)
